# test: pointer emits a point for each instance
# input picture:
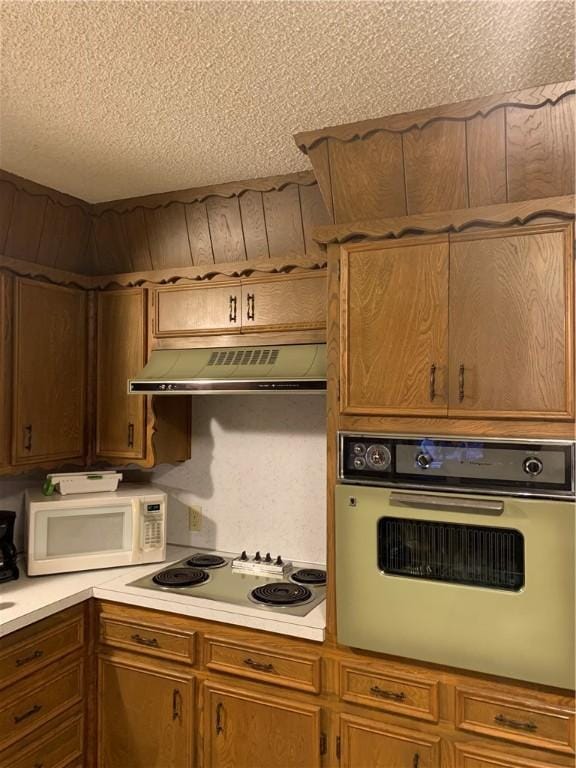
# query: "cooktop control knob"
(279, 561)
(424, 460)
(243, 556)
(532, 466)
(378, 457)
(257, 557)
(268, 558)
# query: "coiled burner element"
(281, 593)
(181, 577)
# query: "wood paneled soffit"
(506, 215)
(530, 98)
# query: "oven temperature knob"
(532, 466)
(378, 457)
(424, 460)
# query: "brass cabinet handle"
(176, 705)
(28, 659)
(219, 726)
(259, 666)
(233, 306)
(251, 306)
(150, 642)
(384, 694)
(28, 437)
(416, 760)
(130, 435)
(461, 382)
(517, 725)
(25, 715)
(432, 382)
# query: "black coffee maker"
(8, 567)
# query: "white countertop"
(30, 599)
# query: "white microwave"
(95, 530)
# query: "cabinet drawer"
(530, 723)
(404, 694)
(22, 658)
(471, 756)
(290, 670)
(148, 638)
(34, 701)
(63, 745)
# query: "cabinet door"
(120, 350)
(394, 327)
(371, 744)
(195, 310)
(284, 303)
(511, 323)
(144, 716)
(5, 371)
(246, 730)
(49, 372)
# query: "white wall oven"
(459, 552)
(95, 530)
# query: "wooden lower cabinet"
(242, 729)
(472, 756)
(145, 714)
(371, 744)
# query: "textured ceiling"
(105, 100)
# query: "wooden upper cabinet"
(394, 326)
(192, 310)
(379, 745)
(296, 302)
(121, 354)
(246, 730)
(511, 323)
(5, 370)
(50, 333)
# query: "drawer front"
(263, 664)
(31, 702)
(404, 694)
(59, 749)
(40, 647)
(21, 659)
(471, 756)
(532, 723)
(148, 638)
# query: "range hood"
(297, 368)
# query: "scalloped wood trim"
(159, 276)
(531, 98)
(39, 190)
(199, 194)
(207, 272)
(506, 214)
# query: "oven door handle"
(448, 503)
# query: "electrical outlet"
(194, 518)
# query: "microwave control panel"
(152, 525)
(512, 467)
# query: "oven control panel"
(521, 467)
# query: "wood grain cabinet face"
(145, 716)
(121, 354)
(511, 323)
(245, 730)
(370, 744)
(5, 370)
(197, 310)
(61, 748)
(472, 756)
(50, 333)
(394, 320)
(284, 303)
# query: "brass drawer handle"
(25, 715)
(150, 642)
(461, 383)
(251, 307)
(233, 304)
(219, 726)
(259, 666)
(176, 705)
(432, 382)
(516, 724)
(384, 694)
(28, 437)
(27, 659)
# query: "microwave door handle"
(447, 503)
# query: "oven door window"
(480, 556)
(77, 532)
